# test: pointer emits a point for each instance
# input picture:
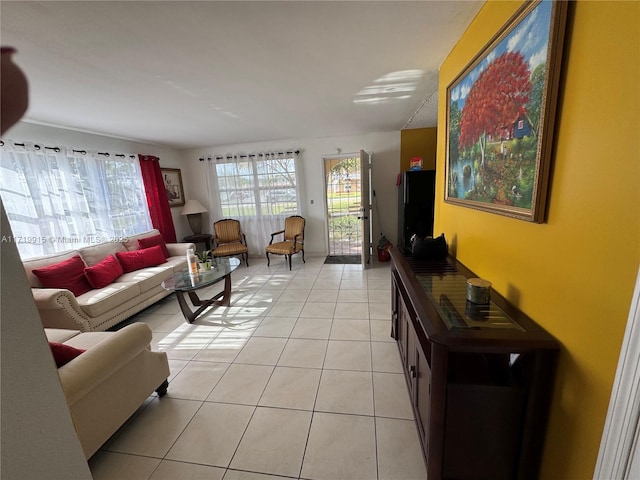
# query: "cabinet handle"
(412, 371)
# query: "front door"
(343, 181)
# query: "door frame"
(619, 455)
(366, 209)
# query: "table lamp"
(193, 209)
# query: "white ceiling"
(202, 73)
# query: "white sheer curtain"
(260, 190)
(61, 199)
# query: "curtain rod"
(58, 150)
(251, 155)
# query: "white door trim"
(619, 456)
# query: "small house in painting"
(521, 127)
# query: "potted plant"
(204, 260)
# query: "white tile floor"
(298, 378)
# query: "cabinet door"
(422, 396)
(420, 382)
(411, 367)
(403, 332)
(395, 302)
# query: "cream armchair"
(107, 383)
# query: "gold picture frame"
(172, 179)
(501, 113)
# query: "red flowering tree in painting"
(495, 100)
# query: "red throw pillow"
(153, 256)
(68, 274)
(137, 259)
(152, 242)
(103, 273)
(63, 354)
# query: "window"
(59, 199)
(257, 185)
(259, 190)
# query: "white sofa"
(107, 383)
(100, 309)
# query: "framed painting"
(172, 179)
(500, 116)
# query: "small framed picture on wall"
(172, 179)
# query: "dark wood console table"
(480, 376)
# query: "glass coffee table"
(184, 282)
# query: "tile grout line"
(375, 413)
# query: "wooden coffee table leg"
(225, 301)
(222, 299)
(195, 300)
(189, 316)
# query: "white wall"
(385, 147)
(52, 136)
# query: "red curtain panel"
(157, 197)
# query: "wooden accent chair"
(293, 239)
(228, 240)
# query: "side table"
(200, 238)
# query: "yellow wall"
(418, 142)
(574, 274)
